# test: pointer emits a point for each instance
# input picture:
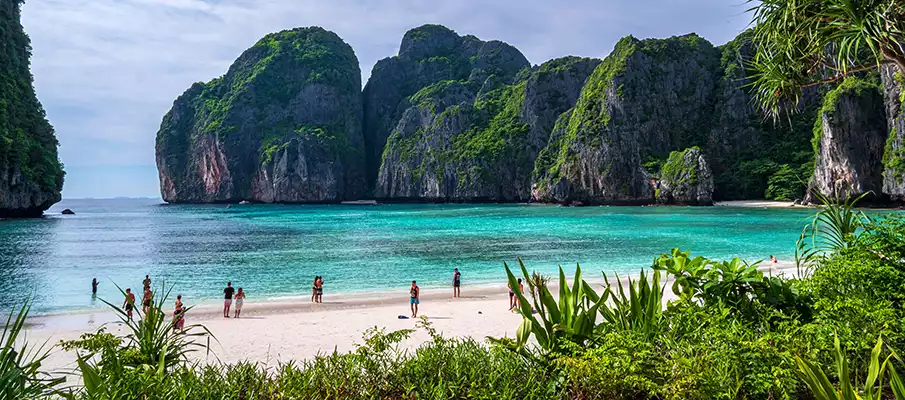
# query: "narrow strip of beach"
(282, 330)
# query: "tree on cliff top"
(802, 43)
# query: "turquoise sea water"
(276, 250)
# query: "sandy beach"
(295, 329)
(287, 329)
(757, 204)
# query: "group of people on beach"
(317, 290)
(233, 297)
(129, 302)
(228, 294)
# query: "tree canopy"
(802, 43)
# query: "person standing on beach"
(146, 301)
(457, 283)
(521, 289)
(415, 293)
(513, 299)
(314, 289)
(147, 282)
(179, 314)
(94, 283)
(129, 304)
(319, 289)
(240, 297)
(227, 298)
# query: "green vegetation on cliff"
(893, 155)
(295, 95)
(677, 171)
(852, 85)
(27, 141)
(589, 114)
(267, 73)
(646, 98)
(482, 132)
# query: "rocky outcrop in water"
(283, 125)
(31, 176)
(477, 141)
(850, 134)
(894, 152)
(686, 179)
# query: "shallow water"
(275, 250)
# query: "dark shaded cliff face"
(894, 152)
(283, 125)
(686, 179)
(850, 134)
(477, 141)
(647, 98)
(752, 156)
(31, 176)
(428, 55)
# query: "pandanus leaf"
(873, 369)
(896, 384)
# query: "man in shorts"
(129, 304)
(227, 298)
(415, 293)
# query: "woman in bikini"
(240, 296)
(179, 314)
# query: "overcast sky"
(108, 70)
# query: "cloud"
(107, 70)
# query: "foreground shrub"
(21, 375)
(703, 353)
(378, 369)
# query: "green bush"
(787, 183)
(859, 296)
(703, 354)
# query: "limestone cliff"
(850, 133)
(753, 156)
(477, 141)
(894, 153)
(647, 98)
(31, 176)
(686, 179)
(283, 125)
(428, 56)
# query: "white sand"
(271, 332)
(757, 204)
(295, 329)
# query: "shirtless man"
(146, 301)
(129, 304)
(147, 282)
